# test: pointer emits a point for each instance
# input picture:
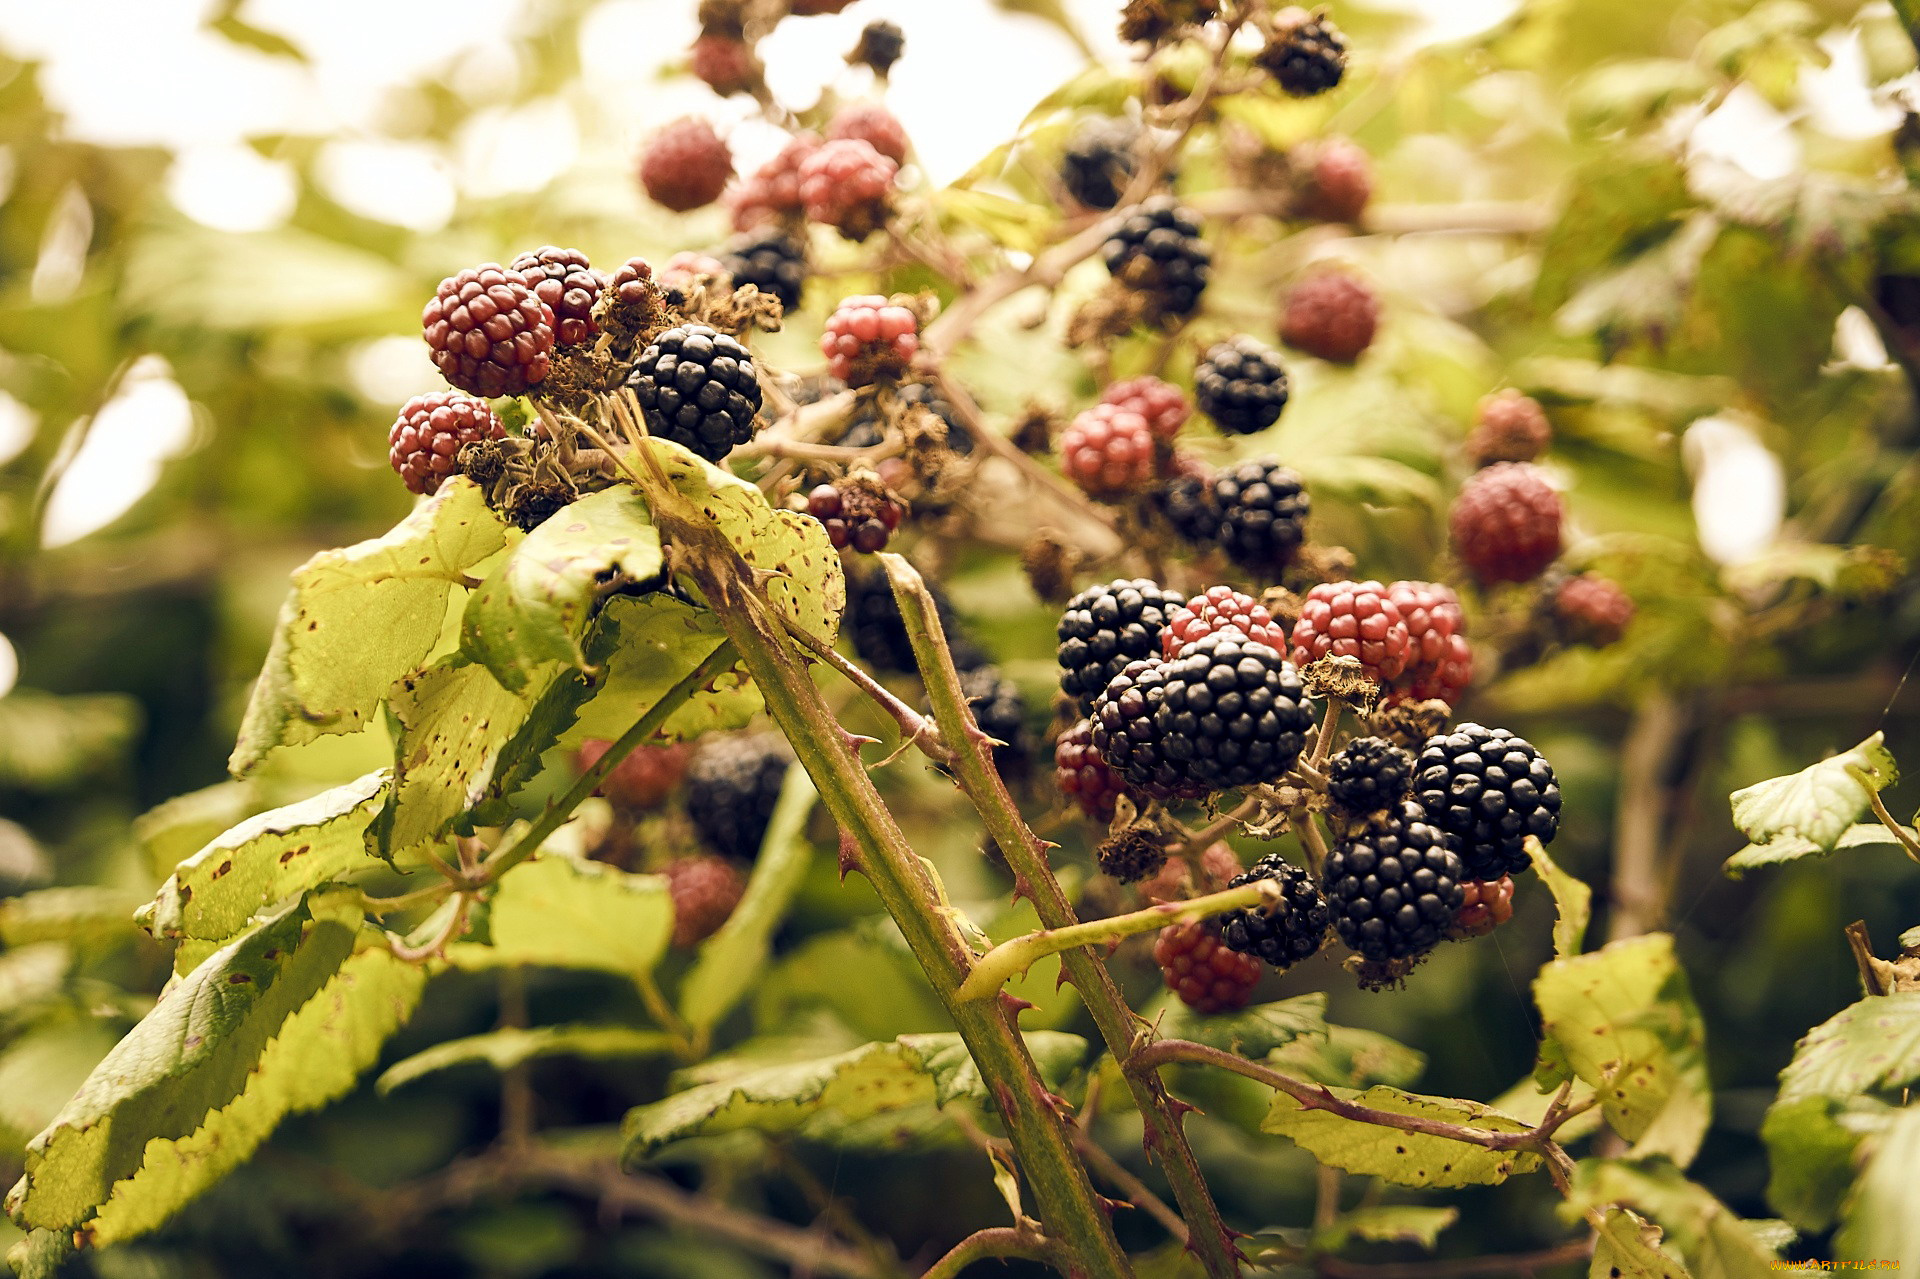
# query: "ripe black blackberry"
(1262, 508)
(867, 431)
(1227, 712)
(1367, 775)
(1099, 161)
(732, 786)
(1488, 790)
(879, 47)
(1293, 929)
(1393, 885)
(880, 633)
(1158, 252)
(1105, 627)
(771, 261)
(1187, 502)
(1306, 53)
(1241, 386)
(997, 708)
(698, 388)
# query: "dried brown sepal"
(1156, 20)
(1132, 854)
(1342, 678)
(1314, 564)
(1050, 563)
(1383, 974)
(1408, 725)
(1113, 312)
(1282, 605)
(1034, 429)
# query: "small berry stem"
(915, 728)
(1315, 844)
(1323, 744)
(1013, 957)
(1001, 1242)
(1900, 832)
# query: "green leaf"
(1715, 1243)
(451, 725)
(638, 648)
(41, 1069)
(1387, 1223)
(1868, 1046)
(193, 1054)
(1572, 902)
(512, 1046)
(80, 914)
(1395, 1155)
(1810, 1153)
(1786, 848)
(1254, 1032)
(567, 913)
(173, 831)
(267, 858)
(1012, 224)
(1628, 1247)
(534, 607)
(199, 279)
(734, 960)
(360, 618)
(1881, 1221)
(814, 1098)
(1350, 1058)
(1624, 1020)
(810, 586)
(48, 742)
(31, 975)
(317, 1057)
(1817, 804)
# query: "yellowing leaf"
(567, 913)
(359, 619)
(1816, 805)
(512, 1046)
(1395, 1155)
(1623, 1020)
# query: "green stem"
(1900, 832)
(1025, 853)
(1068, 1206)
(646, 726)
(1013, 957)
(1001, 1242)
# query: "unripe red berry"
(568, 284)
(1339, 182)
(1441, 664)
(869, 339)
(424, 443)
(1505, 523)
(873, 124)
(688, 265)
(772, 193)
(1353, 619)
(1331, 315)
(490, 334)
(1200, 969)
(1084, 775)
(1508, 427)
(725, 63)
(685, 165)
(705, 889)
(848, 185)
(1108, 451)
(1222, 606)
(642, 780)
(1485, 905)
(1164, 405)
(1591, 609)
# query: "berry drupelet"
(1108, 451)
(1082, 773)
(1164, 405)
(568, 284)
(869, 339)
(1440, 664)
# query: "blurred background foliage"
(1687, 228)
